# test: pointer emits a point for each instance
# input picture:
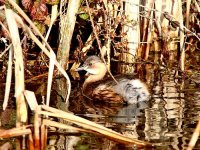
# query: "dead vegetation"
(112, 30)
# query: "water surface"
(168, 119)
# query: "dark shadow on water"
(130, 113)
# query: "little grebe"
(126, 90)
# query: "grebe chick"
(127, 90)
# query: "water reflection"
(130, 113)
(168, 119)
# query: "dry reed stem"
(54, 13)
(90, 126)
(197, 6)
(43, 136)
(182, 37)
(36, 77)
(8, 79)
(5, 50)
(37, 125)
(149, 6)
(194, 138)
(149, 35)
(30, 141)
(132, 34)
(19, 67)
(68, 16)
(188, 4)
(14, 132)
(50, 76)
(34, 38)
(64, 126)
(31, 99)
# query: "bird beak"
(83, 67)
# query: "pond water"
(168, 119)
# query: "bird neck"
(95, 77)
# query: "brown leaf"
(39, 11)
(27, 4)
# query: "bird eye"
(90, 64)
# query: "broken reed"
(14, 21)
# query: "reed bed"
(37, 138)
(44, 115)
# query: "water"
(167, 120)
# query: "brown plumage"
(127, 90)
